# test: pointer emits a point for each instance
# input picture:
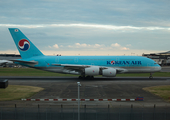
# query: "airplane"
(5, 62)
(85, 66)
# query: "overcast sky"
(88, 27)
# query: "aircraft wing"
(80, 68)
(73, 67)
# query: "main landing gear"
(86, 77)
(150, 77)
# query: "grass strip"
(156, 74)
(161, 91)
(36, 72)
(28, 72)
(16, 92)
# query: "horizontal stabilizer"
(26, 62)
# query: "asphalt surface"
(98, 88)
(165, 69)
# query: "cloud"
(97, 45)
(84, 45)
(102, 47)
(118, 46)
(92, 46)
(95, 26)
(124, 48)
(78, 45)
(115, 45)
(54, 46)
(95, 23)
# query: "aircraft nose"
(159, 68)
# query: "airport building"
(9, 56)
(162, 58)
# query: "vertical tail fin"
(26, 48)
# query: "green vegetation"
(161, 91)
(157, 74)
(28, 72)
(16, 92)
(36, 72)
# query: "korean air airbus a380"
(85, 66)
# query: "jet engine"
(110, 72)
(93, 70)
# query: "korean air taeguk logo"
(112, 62)
(24, 45)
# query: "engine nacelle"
(110, 72)
(93, 70)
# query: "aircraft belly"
(141, 69)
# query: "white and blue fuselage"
(107, 66)
(123, 64)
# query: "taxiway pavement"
(98, 88)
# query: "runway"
(98, 88)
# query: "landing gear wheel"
(92, 77)
(89, 77)
(82, 77)
(150, 77)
